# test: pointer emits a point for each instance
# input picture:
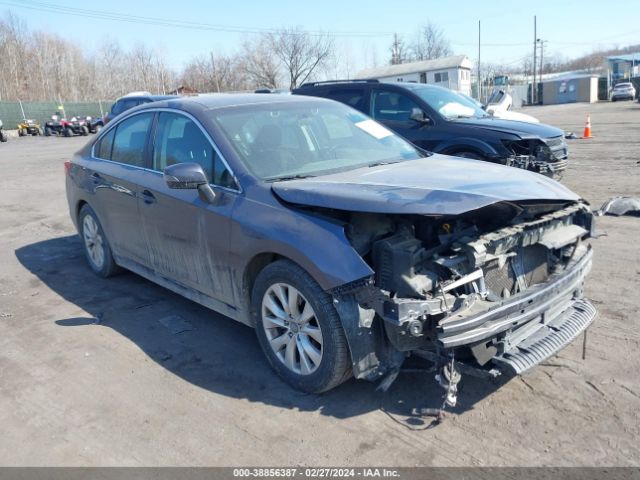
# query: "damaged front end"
(497, 288)
(545, 156)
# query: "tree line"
(39, 65)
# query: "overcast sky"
(364, 28)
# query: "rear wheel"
(299, 329)
(96, 246)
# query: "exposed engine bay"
(486, 284)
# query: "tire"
(84, 131)
(21, 133)
(95, 244)
(469, 154)
(3, 137)
(312, 355)
(47, 132)
(97, 129)
(68, 132)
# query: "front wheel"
(96, 246)
(68, 132)
(84, 131)
(299, 329)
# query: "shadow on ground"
(217, 354)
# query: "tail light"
(67, 167)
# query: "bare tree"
(215, 73)
(260, 63)
(430, 43)
(399, 51)
(300, 53)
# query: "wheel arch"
(79, 204)
(474, 145)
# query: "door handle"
(96, 178)
(148, 197)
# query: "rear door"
(188, 238)
(114, 174)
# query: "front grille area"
(558, 148)
(554, 142)
(531, 263)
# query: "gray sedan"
(346, 247)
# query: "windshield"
(450, 105)
(291, 140)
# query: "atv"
(3, 136)
(29, 127)
(68, 128)
(95, 124)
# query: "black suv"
(132, 100)
(443, 121)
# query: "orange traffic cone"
(587, 128)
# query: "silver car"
(623, 91)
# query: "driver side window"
(180, 140)
(391, 106)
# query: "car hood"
(436, 185)
(522, 129)
(513, 116)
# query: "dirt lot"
(89, 376)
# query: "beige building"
(577, 88)
(451, 72)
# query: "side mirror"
(189, 176)
(185, 176)
(419, 116)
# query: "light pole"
(541, 42)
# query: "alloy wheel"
(93, 241)
(292, 329)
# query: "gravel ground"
(90, 374)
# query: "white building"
(451, 72)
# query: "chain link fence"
(12, 113)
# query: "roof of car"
(359, 83)
(154, 98)
(221, 100)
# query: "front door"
(187, 237)
(393, 109)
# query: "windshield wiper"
(289, 177)
(383, 162)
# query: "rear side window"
(354, 97)
(179, 139)
(104, 146)
(130, 140)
